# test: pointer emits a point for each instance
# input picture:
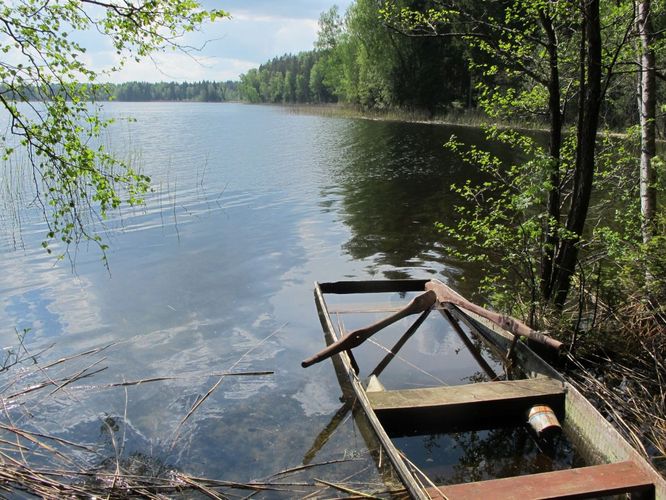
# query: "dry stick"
(50, 381)
(26, 435)
(23, 469)
(602, 389)
(79, 355)
(43, 369)
(347, 478)
(54, 438)
(345, 489)
(25, 374)
(122, 445)
(424, 475)
(9, 419)
(308, 466)
(79, 375)
(238, 486)
(116, 475)
(164, 379)
(19, 360)
(200, 401)
(206, 491)
(13, 445)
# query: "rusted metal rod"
(357, 337)
(517, 327)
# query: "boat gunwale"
(583, 416)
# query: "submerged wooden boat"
(612, 467)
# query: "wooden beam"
(373, 286)
(583, 482)
(353, 339)
(350, 382)
(446, 294)
(364, 308)
(464, 407)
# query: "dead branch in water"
(37, 463)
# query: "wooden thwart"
(584, 482)
(466, 406)
(482, 405)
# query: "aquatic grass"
(37, 463)
(630, 391)
(465, 118)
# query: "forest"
(390, 55)
(360, 60)
(204, 91)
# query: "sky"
(257, 31)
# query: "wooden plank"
(594, 438)
(373, 286)
(472, 406)
(348, 379)
(364, 308)
(583, 482)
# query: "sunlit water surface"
(250, 206)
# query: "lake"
(251, 205)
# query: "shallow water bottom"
(458, 457)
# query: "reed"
(36, 463)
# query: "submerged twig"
(346, 489)
(200, 401)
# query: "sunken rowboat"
(530, 391)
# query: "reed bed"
(622, 371)
(36, 463)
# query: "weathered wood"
(517, 327)
(595, 439)
(584, 482)
(364, 308)
(357, 337)
(499, 340)
(373, 286)
(349, 381)
(399, 344)
(470, 346)
(479, 405)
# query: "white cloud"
(182, 67)
(258, 31)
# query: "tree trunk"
(554, 110)
(567, 256)
(647, 110)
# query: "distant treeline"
(357, 60)
(204, 91)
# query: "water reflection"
(394, 182)
(251, 206)
(487, 454)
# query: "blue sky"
(258, 30)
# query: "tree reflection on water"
(486, 454)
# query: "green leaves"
(54, 118)
(502, 221)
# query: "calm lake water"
(215, 273)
